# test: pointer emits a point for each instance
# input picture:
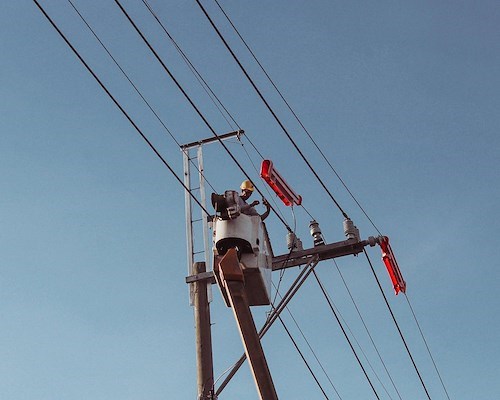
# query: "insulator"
(293, 243)
(290, 240)
(316, 233)
(391, 264)
(278, 184)
(372, 241)
(350, 230)
(314, 228)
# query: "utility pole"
(200, 291)
(243, 261)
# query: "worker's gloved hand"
(254, 203)
(265, 202)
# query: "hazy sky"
(403, 99)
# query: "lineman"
(247, 189)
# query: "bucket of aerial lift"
(248, 235)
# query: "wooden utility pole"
(204, 362)
(200, 291)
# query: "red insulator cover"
(278, 184)
(392, 266)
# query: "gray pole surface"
(204, 363)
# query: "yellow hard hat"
(247, 185)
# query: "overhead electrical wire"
(135, 87)
(276, 287)
(205, 84)
(190, 101)
(427, 347)
(397, 326)
(300, 123)
(358, 343)
(101, 84)
(202, 81)
(155, 113)
(140, 131)
(326, 160)
(329, 300)
(200, 78)
(323, 290)
(367, 331)
(314, 354)
(312, 350)
(300, 152)
(214, 98)
(303, 358)
(295, 115)
(212, 95)
(259, 93)
(335, 172)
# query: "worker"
(247, 189)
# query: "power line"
(135, 87)
(117, 103)
(209, 91)
(271, 110)
(427, 346)
(211, 94)
(310, 348)
(348, 190)
(345, 333)
(397, 326)
(137, 128)
(367, 331)
(295, 115)
(357, 342)
(190, 101)
(215, 99)
(142, 134)
(303, 358)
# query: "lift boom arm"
(233, 282)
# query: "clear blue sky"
(403, 98)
